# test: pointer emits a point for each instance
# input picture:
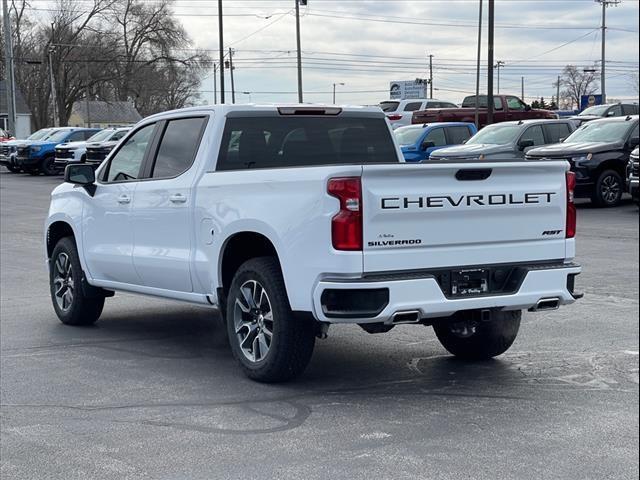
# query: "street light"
(334, 91)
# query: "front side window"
(514, 103)
(437, 137)
(178, 147)
(125, 164)
(534, 134)
(615, 111)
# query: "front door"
(163, 208)
(108, 224)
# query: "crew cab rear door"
(422, 216)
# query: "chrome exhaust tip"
(552, 303)
(405, 316)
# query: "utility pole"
(215, 83)
(56, 120)
(86, 95)
(221, 43)
(233, 86)
(298, 3)
(477, 121)
(605, 4)
(10, 81)
(522, 89)
(430, 76)
(558, 93)
(499, 64)
(492, 11)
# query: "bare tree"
(576, 84)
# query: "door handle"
(124, 199)
(178, 198)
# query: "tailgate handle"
(475, 174)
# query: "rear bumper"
(423, 294)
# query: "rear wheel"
(270, 344)
(609, 188)
(479, 340)
(70, 302)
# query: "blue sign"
(587, 101)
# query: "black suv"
(598, 153)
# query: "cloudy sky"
(365, 44)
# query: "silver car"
(508, 140)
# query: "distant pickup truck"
(505, 108)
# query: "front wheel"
(270, 344)
(49, 167)
(609, 188)
(479, 340)
(70, 302)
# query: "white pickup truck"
(289, 219)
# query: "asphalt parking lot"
(152, 391)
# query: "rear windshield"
(389, 106)
(272, 142)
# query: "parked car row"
(599, 151)
(49, 150)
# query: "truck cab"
(418, 142)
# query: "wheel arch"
(237, 249)
(616, 164)
(56, 231)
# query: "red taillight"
(346, 225)
(394, 117)
(571, 207)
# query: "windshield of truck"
(100, 136)
(598, 110)
(408, 135)
(58, 136)
(40, 134)
(497, 134)
(292, 141)
(600, 131)
(389, 106)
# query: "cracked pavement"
(152, 391)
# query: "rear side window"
(413, 106)
(458, 135)
(630, 109)
(178, 147)
(280, 141)
(557, 131)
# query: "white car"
(289, 219)
(400, 112)
(76, 152)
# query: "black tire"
(292, 339)
(13, 169)
(80, 309)
(48, 166)
(608, 189)
(489, 340)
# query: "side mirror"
(633, 142)
(83, 175)
(527, 108)
(522, 144)
(427, 145)
(611, 113)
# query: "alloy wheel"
(253, 321)
(63, 282)
(610, 189)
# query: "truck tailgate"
(462, 214)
